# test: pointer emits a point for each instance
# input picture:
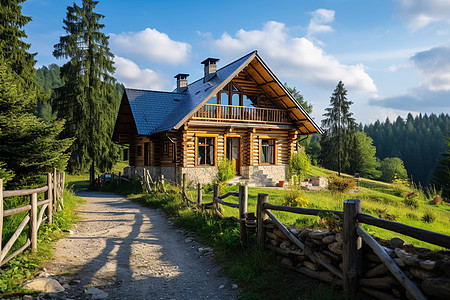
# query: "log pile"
(321, 258)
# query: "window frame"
(214, 145)
(274, 151)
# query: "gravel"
(122, 250)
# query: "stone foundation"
(265, 175)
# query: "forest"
(418, 141)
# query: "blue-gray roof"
(155, 111)
(150, 108)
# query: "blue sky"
(392, 55)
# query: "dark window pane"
(201, 155)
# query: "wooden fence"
(53, 202)
(350, 277)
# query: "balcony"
(244, 114)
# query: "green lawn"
(374, 196)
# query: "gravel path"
(128, 251)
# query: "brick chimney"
(182, 82)
(210, 68)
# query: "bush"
(429, 216)
(295, 202)
(340, 184)
(299, 165)
(412, 200)
(226, 170)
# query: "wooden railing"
(352, 245)
(52, 202)
(220, 113)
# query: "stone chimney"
(182, 82)
(210, 68)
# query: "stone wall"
(155, 172)
(265, 175)
(429, 270)
(203, 175)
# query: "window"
(139, 150)
(165, 148)
(267, 151)
(205, 151)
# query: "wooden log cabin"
(241, 112)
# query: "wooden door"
(234, 152)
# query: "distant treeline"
(419, 141)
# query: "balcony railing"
(222, 113)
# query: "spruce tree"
(339, 125)
(29, 146)
(87, 100)
(441, 176)
(12, 48)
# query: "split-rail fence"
(53, 202)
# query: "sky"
(393, 56)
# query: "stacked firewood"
(322, 259)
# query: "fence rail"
(219, 112)
(350, 274)
(53, 202)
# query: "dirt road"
(132, 252)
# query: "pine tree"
(339, 125)
(28, 146)
(12, 48)
(87, 100)
(441, 176)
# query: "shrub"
(226, 170)
(429, 216)
(332, 221)
(412, 200)
(296, 202)
(299, 165)
(292, 193)
(383, 214)
(340, 184)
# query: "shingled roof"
(155, 111)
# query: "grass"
(23, 266)
(256, 271)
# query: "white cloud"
(151, 45)
(293, 57)
(420, 13)
(132, 76)
(320, 18)
(435, 67)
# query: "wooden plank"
(352, 247)
(24, 192)
(391, 265)
(234, 205)
(49, 198)
(286, 232)
(14, 237)
(20, 250)
(243, 202)
(302, 211)
(41, 215)
(17, 210)
(33, 223)
(439, 239)
(261, 217)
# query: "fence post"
(243, 201)
(63, 179)
(1, 214)
(50, 197)
(120, 179)
(215, 195)
(352, 244)
(55, 190)
(199, 193)
(261, 216)
(33, 224)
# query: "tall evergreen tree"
(12, 48)
(339, 125)
(299, 97)
(441, 176)
(362, 156)
(29, 146)
(87, 100)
